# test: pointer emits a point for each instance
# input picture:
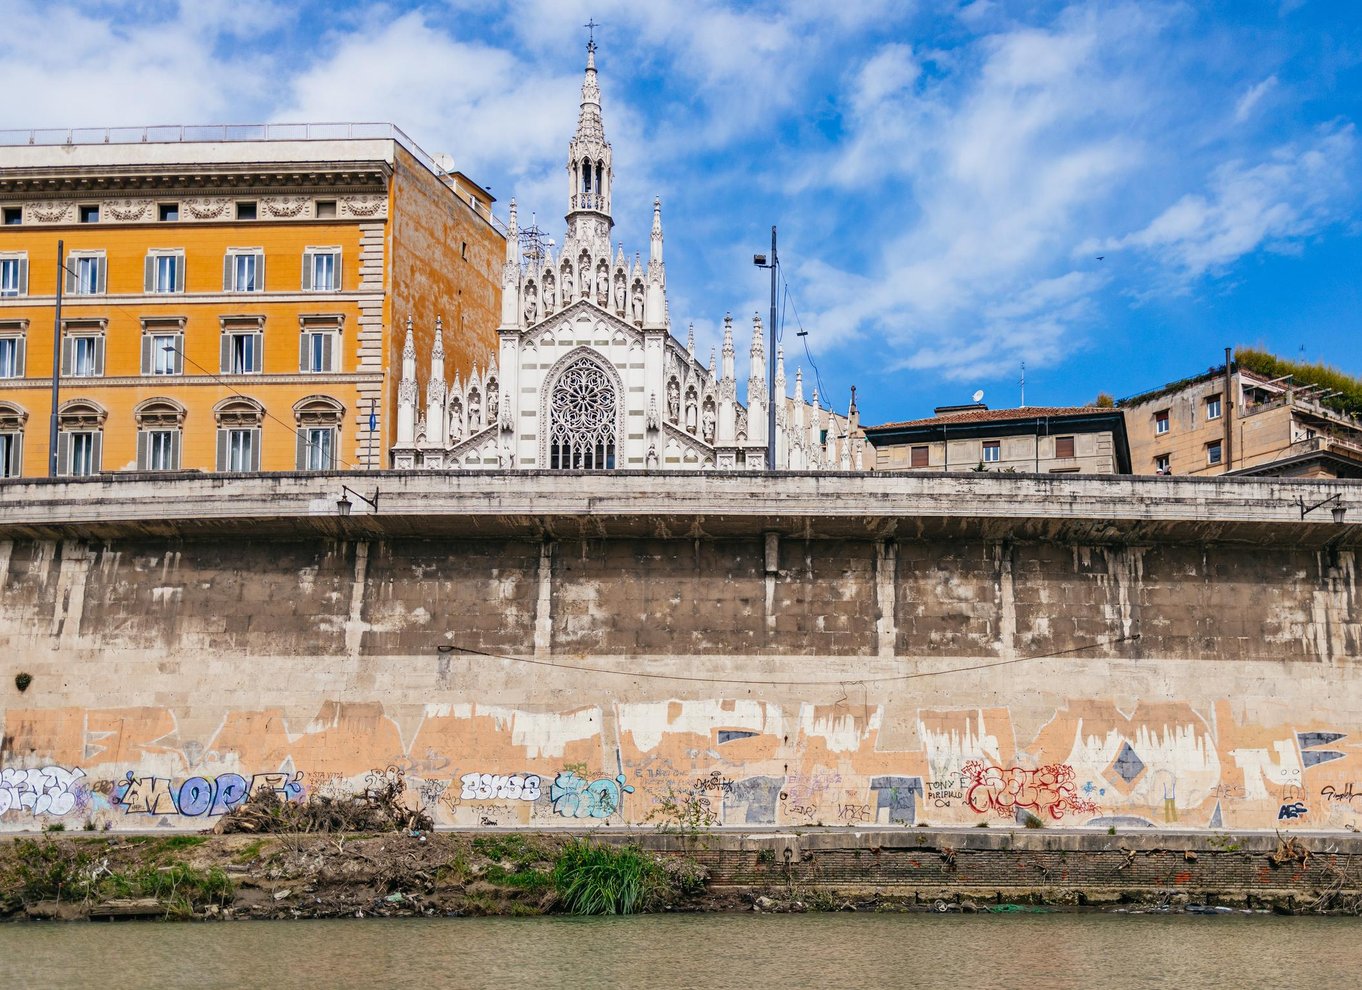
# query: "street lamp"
(344, 505)
(760, 261)
(1338, 511)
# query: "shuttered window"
(11, 453)
(918, 457)
(321, 270)
(13, 275)
(78, 452)
(12, 357)
(244, 271)
(82, 355)
(1064, 447)
(239, 449)
(993, 451)
(317, 350)
(317, 448)
(158, 450)
(85, 274)
(241, 353)
(164, 272)
(162, 354)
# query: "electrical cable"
(767, 682)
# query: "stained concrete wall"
(909, 657)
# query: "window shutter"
(257, 352)
(99, 355)
(337, 284)
(260, 272)
(255, 449)
(302, 351)
(143, 456)
(66, 347)
(180, 266)
(148, 355)
(23, 276)
(175, 451)
(70, 276)
(149, 274)
(96, 453)
(302, 450)
(100, 272)
(307, 271)
(227, 285)
(333, 452)
(328, 347)
(20, 368)
(225, 353)
(222, 449)
(63, 453)
(179, 354)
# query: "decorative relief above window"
(128, 210)
(364, 206)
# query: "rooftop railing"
(212, 133)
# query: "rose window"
(582, 419)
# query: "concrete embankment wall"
(548, 650)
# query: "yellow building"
(229, 295)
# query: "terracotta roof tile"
(997, 415)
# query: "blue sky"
(945, 175)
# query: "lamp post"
(760, 261)
(1338, 511)
(56, 364)
(343, 504)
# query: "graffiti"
(1292, 811)
(896, 799)
(809, 788)
(942, 793)
(512, 787)
(51, 790)
(715, 782)
(1009, 792)
(1347, 795)
(853, 814)
(430, 791)
(199, 795)
(575, 797)
(759, 794)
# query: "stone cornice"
(232, 179)
(90, 383)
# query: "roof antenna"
(1023, 386)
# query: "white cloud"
(1298, 190)
(1250, 100)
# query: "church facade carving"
(589, 376)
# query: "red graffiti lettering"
(1048, 790)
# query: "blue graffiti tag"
(575, 797)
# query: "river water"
(660, 952)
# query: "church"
(589, 375)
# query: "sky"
(1109, 192)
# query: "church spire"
(589, 164)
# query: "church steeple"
(589, 164)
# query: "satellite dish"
(978, 395)
(444, 162)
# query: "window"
(168, 212)
(1213, 452)
(1161, 422)
(165, 271)
(82, 349)
(163, 346)
(1213, 407)
(321, 269)
(11, 356)
(239, 421)
(80, 438)
(993, 451)
(13, 274)
(85, 274)
(1064, 448)
(318, 418)
(159, 428)
(1163, 464)
(13, 216)
(326, 209)
(243, 270)
(246, 211)
(583, 416)
(241, 352)
(319, 343)
(89, 214)
(918, 457)
(12, 420)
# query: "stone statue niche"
(692, 411)
(531, 304)
(636, 302)
(455, 419)
(673, 401)
(474, 411)
(493, 401)
(550, 294)
(707, 419)
(619, 293)
(603, 286)
(567, 286)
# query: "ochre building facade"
(228, 295)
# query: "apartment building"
(232, 298)
(1036, 440)
(1246, 423)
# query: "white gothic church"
(590, 377)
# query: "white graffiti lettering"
(508, 787)
(49, 790)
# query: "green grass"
(599, 879)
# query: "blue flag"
(373, 417)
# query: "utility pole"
(56, 364)
(771, 363)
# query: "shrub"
(597, 879)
